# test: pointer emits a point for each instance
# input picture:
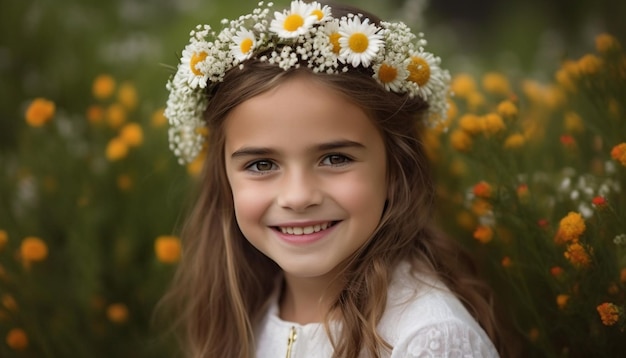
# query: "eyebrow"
(333, 145)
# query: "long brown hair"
(222, 283)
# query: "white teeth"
(304, 230)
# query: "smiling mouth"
(305, 230)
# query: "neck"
(307, 300)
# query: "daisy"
(331, 29)
(391, 74)
(295, 22)
(243, 44)
(425, 75)
(321, 12)
(360, 41)
(190, 64)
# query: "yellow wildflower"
(514, 141)
(39, 112)
(33, 249)
(609, 313)
(4, 238)
(496, 83)
(606, 43)
(470, 123)
(132, 134)
(115, 115)
(573, 123)
(167, 249)
(460, 141)
(483, 234)
(589, 64)
(16, 339)
(507, 109)
(462, 85)
(116, 149)
(577, 255)
(103, 87)
(117, 313)
(619, 153)
(127, 95)
(561, 300)
(570, 228)
(492, 124)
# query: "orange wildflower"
(522, 193)
(609, 313)
(39, 112)
(103, 86)
(95, 114)
(115, 115)
(556, 271)
(622, 275)
(492, 123)
(167, 249)
(127, 95)
(158, 119)
(33, 249)
(116, 149)
(462, 85)
(506, 262)
(16, 339)
(4, 238)
(117, 313)
(570, 228)
(481, 207)
(573, 123)
(589, 64)
(561, 300)
(577, 255)
(482, 190)
(470, 123)
(619, 153)
(483, 234)
(132, 134)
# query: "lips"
(305, 230)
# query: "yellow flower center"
(318, 13)
(358, 42)
(387, 74)
(334, 40)
(293, 22)
(195, 59)
(419, 71)
(245, 45)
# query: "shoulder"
(423, 318)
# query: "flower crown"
(304, 33)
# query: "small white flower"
(190, 64)
(295, 22)
(360, 41)
(243, 44)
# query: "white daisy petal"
(243, 44)
(294, 22)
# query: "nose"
(299, 190)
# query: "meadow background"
(531, 167)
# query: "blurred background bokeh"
(91, 197)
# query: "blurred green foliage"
(94, 292)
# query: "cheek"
(250, 205)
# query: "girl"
(312, 232)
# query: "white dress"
(419, 321)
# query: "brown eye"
(335, 159)
(261, 166)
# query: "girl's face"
(307, 170)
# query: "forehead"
(300, 109)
